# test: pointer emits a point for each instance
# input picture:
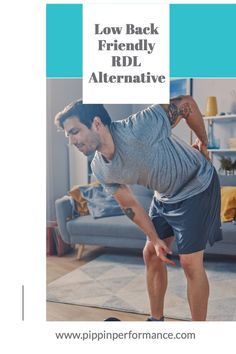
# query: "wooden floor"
(59, 266)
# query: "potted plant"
(227, 165)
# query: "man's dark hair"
(84, 112)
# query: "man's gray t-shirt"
(147, 153)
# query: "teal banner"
(202, 40)
(64, 35)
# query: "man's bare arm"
(185, 107)
(177, 109)
(139, 216)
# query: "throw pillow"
(228, 203)
(80, 202)
(99, 202)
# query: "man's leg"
(156, 276)
(197, 284)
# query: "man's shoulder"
(137, 116)
(148, 122)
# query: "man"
(186, 206)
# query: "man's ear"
(97, 123)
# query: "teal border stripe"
(64, 35)
(202, 40)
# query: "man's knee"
(186, 262)
(150, 256)
(192, 263)
(148, 252)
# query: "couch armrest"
(64, 212)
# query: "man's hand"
(139, 216)
(162, 250)
(202, 148)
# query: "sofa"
(121, 232)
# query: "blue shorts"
(193, 221)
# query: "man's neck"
(107, 148)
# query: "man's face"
(86, 140)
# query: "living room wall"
(59, 93)
(225, 92)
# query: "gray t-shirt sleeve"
(110, 188)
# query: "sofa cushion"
(227, 180)
(229, 232)
(143, 195)
(139, 190)
(114, 226)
